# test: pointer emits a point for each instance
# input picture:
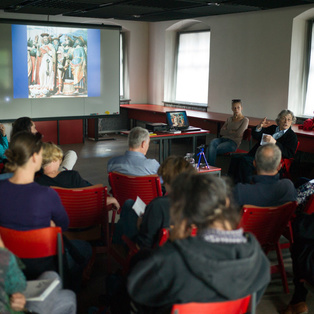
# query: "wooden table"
(211, 121)
(164, 140)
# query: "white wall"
(137, 48)
(249, 59)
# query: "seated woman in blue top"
(231, 134)
(3, 142)
(26, 205)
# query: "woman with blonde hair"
(52, 176)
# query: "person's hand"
(112, 201)
(2, 129)
(1, 243)
(17, 301)
(139, 221)
(263, 124)
(269, 139)
(52, 223)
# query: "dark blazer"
(287, 143)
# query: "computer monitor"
(177, 120)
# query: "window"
(309, 99)
(192, 72)
(121, 67)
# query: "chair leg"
(282, 268)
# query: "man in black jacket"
(241, 166)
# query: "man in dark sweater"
(241, 165)
(267, 188)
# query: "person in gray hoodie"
(221, 263)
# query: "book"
(38, 290)
(139, 206)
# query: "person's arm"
(152, 222)
(242, 127)
(288, 144)
(78, 181)
(224, 129)
(112, 201)
(154, 271)
(58, 213)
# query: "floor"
(92, 160)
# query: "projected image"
(177, 119)
(56, 62)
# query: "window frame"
(175, 71)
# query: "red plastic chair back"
(286, 165)
(85, 206)
(309, 207)
(267, 223)
(35, 243)
(126, 187)
(31, 243)
(163, 236)
(231, 307)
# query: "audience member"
(267, 188)
(219, 264)
(232, 133)
(134, 162)
(52, 176)
(13, 283)
(144, 231)
(26, 205)
(3, 142)
(27, 124)
(241, 166)
(302, 253)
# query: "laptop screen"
(177, 119)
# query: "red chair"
(86, 208)
(286, 165)
(309, 207)
(267, 224)
(247, 136)
(35, 243)
(126, 187)
(231, 307)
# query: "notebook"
(178, 120)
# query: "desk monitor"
(177, 120)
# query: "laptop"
(178, 120)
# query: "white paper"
(139, 207)
(38, 290)
(262, 140)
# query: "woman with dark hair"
(26, 205)
(220, 263)
(144, 230)
(28, 125)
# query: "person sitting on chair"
(13, 284)
(52, 176)
(134, 162)
(144, 230)
(27, 124)
(26, 205)
(231, 134)
(267, 188)
(221, 263)
(241, 166)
